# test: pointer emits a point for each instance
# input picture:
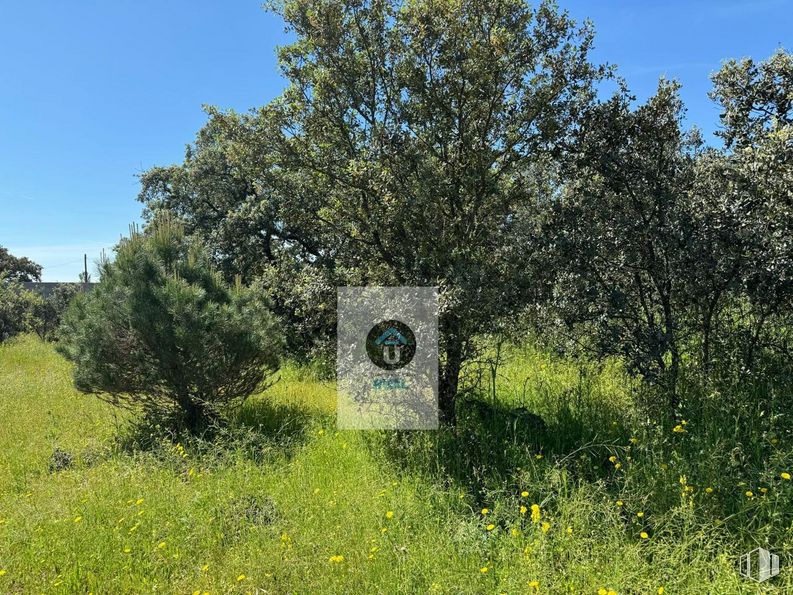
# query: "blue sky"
(93, 93)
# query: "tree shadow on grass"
(260, 430)
(494, 444)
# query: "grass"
(286, 503)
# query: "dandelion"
(515, 532)
(161, 545)
(538, 456)
(535, 513)
(749, 494)
(484, 569)
(77, 519)
(643, 535)
(618, 466)
(763, 490)
(241, 578)
(524, 494)
(546, 527)
(679, 429)
(127, 550)
(485, 510)
(633, 440)
(785, 475)
(523, 510)
(569, 530)
(620, 503)
(613, 459)
(709, 490)
(2, 572)
(490, 527)
(661, 591)
(338, 559)
(389, 514)
(534, 585)
(640, 514)
(205, 567)
(139, 501)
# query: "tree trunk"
(194, 416)
(449, 381)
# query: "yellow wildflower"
(523, 510)
(640, 514)
(389, 514)
(336, 559)
(524, 494)
(161, 545)
(785, 475)
(77, 519)
(546, 527)
(749, 494)
(241, 578)
(484, 569)
(534, 585)
(490, 527)
(620, 502)
(535, 513)
(708, 490)
(485, 510)
(643, 535)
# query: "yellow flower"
(708, 490)
(749, 493)
(515, 532)
(661, 591)
(535, 513)
(524, 494)
(161, 545)
(534, 585)
(485, 510)
(483, 570)
(613, 459)
(633, 440)
(127, 550)
(763, 490)
(640, 514)
(139, 501)
(618, 466)
(569, 530)
(77, 519)
(205, 567)
(241, 578)
(785, 475)
(490, 527)
(546, 527)
(523, 510)
(538, 456)
(336, 559)
(389, 514)
(679, 429)
(620, 502)
(602, 591)
(2, 572)
(643, 535)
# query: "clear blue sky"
(93, 93)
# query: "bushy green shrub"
(18, 309)
(164, 333)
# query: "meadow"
(598, 501)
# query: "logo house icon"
(759, 565)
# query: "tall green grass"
(282, 502)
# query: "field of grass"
(602, 502)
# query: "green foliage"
(409, 148)
(50, 311)
(18, 268)
(163, 332)
(19, 309)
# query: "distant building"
(45, 288)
